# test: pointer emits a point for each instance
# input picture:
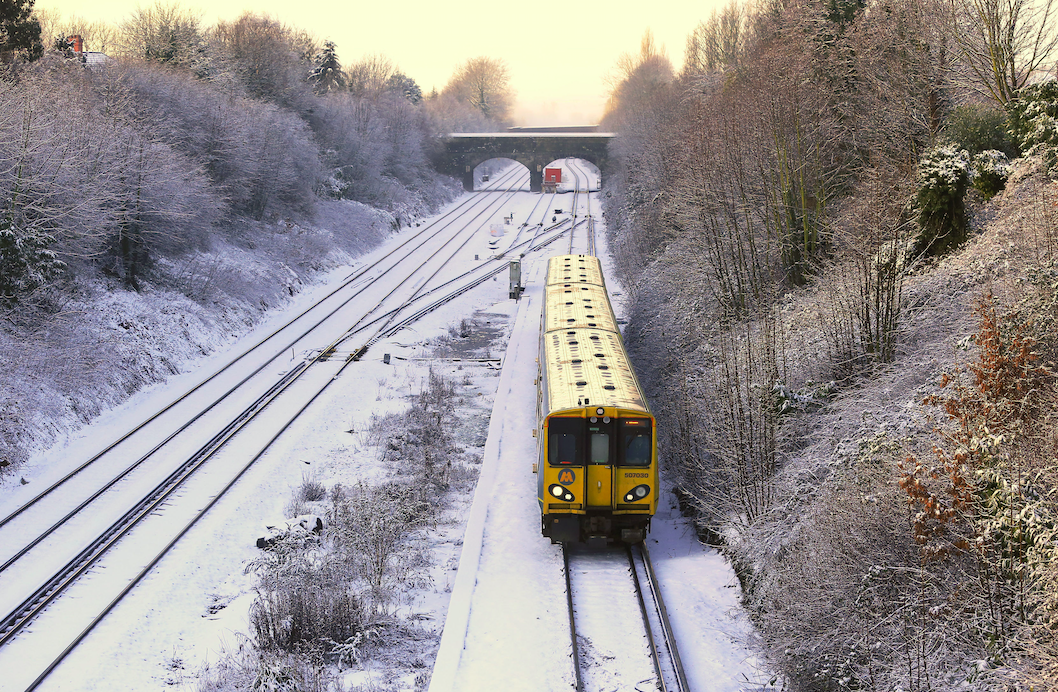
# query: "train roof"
(582, 347)
(573, 306)
(580, 269)
(589, 367)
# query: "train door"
(599, 490)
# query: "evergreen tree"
(26, 262)
(404, 85)
(19, 31)
(843, 11)
(327, 74)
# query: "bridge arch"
(492, 166)
(575, 168)
(463, 152)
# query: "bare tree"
(1004, 42)
(717, 42)
(163, 33)
(272, 61)
(449, 114)
(484, 84)
(368, 77)
(637, 78)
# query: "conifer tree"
(26, 262)
(19, 30)
(327, 74)
(404, 85)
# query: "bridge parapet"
(464, 151)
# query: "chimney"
(76, 43)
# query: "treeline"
(205, 170)
(785, 203)
(180, 128)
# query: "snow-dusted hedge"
(1034, 117)
(989, 172)
(943, 177)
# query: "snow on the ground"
(507, 622)
(503, 613)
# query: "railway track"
(573, 209)
(376, 324)
(11, 624)
(578, 174)
(619, 628)
(580, 177)
(410, 245)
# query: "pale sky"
(559, 54)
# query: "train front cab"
(598, 476)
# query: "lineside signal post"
(516, 280)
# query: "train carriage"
(597, 469)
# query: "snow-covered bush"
(267, 671)
(979, 127)
(989, 172)
(303, 606)
(1034, 117)
(943, 176)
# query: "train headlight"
(637, 493)
(560, 492)
(600, 411)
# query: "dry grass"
(330, 603)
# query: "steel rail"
(572, 620)
(471, 201)
(671, 651)
(528, 220)
(129, 469)
(18, 618)
(573, 210)
(661, 642)
(591, 219)
(53, 587)
(363, 349)
(394, 328)
(139, 577)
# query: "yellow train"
(597, 475)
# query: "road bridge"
(532, 147)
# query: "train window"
(636, 443)
(600, 448)
(564, 436)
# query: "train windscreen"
(564, 441)
(636, 445)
